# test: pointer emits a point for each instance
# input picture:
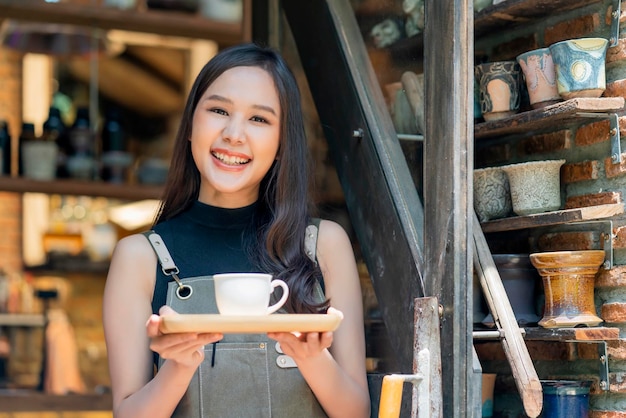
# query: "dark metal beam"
(380, 195)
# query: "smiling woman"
(236, 201)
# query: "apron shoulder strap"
(165, 259)
(310, 239)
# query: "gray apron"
(243, 375)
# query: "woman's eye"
(258, 119)
(219, 111)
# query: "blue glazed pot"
(580, 67)
(565, 398)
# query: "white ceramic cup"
(247, 293)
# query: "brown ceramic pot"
(568, 282)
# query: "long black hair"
(284, 206)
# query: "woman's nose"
(234, 130)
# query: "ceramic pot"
(499, 88)
(520, 280)
(565, 398)
(535, 186)
(540, 77)
(568, 283)
(492, 195)
(580, 67)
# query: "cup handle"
(275, 283)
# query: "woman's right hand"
(185, 349)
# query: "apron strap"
(167, 263)
(310, 239)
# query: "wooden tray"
(236, 324)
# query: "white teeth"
(230, 159)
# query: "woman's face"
(235, 136)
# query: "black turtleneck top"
(205, 240)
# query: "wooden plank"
(513, 344)
(151, 21)
(543, 119)
(513, 13)
(553, 218)
(81, 188)
(574, 334)
(507, 15)
(426, 337)
(449, 86)
(22, 400)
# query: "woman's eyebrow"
(219, 98)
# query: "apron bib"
(243, 375)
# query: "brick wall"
(588, 178)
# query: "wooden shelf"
(506, 15)
(571, 334)
(81, 188)
(532, 121)
(22, 400)
(553, 218)
(21, 320)
(152, 21)
(512, 13)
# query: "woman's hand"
(185, 349)
(302, 346)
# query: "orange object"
(391, 396)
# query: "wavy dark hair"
(284, 206)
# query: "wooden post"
(426, 340)
(513, 343)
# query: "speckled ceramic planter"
(535, 186)
(492, 196)
(568, 283)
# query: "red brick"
(616, 277)
(568, 241)
(607, 414)
(619, 237)
(593, 199)
(617, 382)
(617, 52)
(587, 351)
(614, 170)
(493, 154)
(617, 349)
(575, 28)
(551, 350)
(592, 133)
(550, 142)
(614, 312)
(616, 88)
(575, 172)
(511, 49)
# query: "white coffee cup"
(247, 293)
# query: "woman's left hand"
(302, 346)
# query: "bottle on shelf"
(38, 155)
(81, 163)
(115, 158)
(5, 149)
(54, 130)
